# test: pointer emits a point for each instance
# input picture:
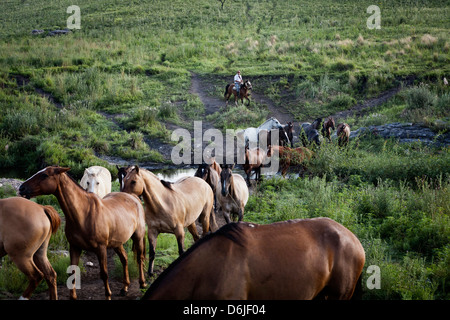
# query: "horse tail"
(226, 90)
(53, 216)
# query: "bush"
(420, 98)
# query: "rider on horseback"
(237, 82)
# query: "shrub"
(419, 98)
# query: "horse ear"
(60, 170)
(232, 167)
(136, 167)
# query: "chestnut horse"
(326, 128)
(244, 92)
(170, 207)
(288, 156)
(232, 194)
(343, 133)
(254, 160)
(94, 223)
(25, 230)
(296, 259)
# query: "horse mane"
(232, 231)
(166, 184)
(74, 181)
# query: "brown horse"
(296, 259)
(232, 194)
(254, 160)
(327, 125)
(288, 156)
(25, 230)
(244, 92)
(343, 133)
(93, 223)
(170, 207)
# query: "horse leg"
(102, 260)
(192, 228)
(213, 223)
(226, 215)
(74, 260)
(139, 249)
(41, 261)
(124, 260)
(179, 234)
(34, 275)
(152, 238)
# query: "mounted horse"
(296, 259)
(232, 194)
(94, 223)
(170, 207)
(343, 133)
(254, 160)
(96, 179)
(288, 156)
(244, 92)
(25, 231)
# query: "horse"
(301, 259)
(96, 179)
(309, 133)
(252, 135)
(288, 156)
(289, 129)
(122, 172)
(211, 176)
(232, 194)
(326, 128)
(254, 160)
(343, 133)
(170, 207)
(25, 231)
(244, 92)
(94, 223)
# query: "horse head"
(121, 173)
(202, 171)
(133, 182)
(226, 179)
(248, 85)
(44, 181)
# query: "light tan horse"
(232, 194)
(296, 259)
(25, 230)
(170, 207)
(93, 223)
(343, 133)
(290, 156)
(254, 160)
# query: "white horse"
(96, 179)
(251, 134)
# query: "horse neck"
(154, 192)
(71, 198)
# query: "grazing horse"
(326, 128)
(96, 179)
(244, 92)
(288, 156)
(296, 259)
(309, 133)
(94, 223)
(232, 194)
(170, 207)
(343, 133)
(25, 230)
(211, 176)
(254, 160)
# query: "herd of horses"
(296, 259)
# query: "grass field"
(114, 88)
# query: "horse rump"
(53, 216)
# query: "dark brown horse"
(327, 125)
(25, 231)
(94, 223)
(232, 194)
(296, 259)
(343, 133)
(289, 129)
(207, 173)
(244, 92)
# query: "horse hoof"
(123, 292)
